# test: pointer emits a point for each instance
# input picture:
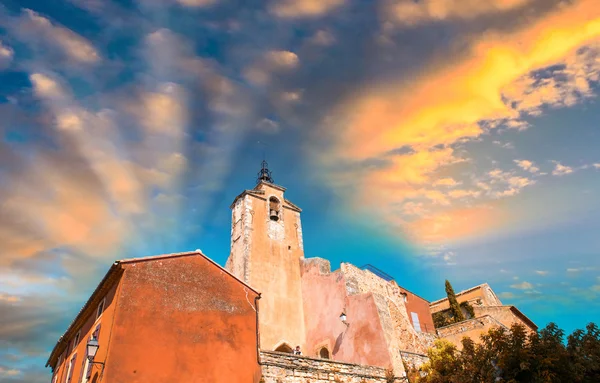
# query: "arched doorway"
(324, 353)
(284, 347)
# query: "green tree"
(454, 306)
(514, 356)
(583, 348)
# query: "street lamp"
(343, 318)
(92, 348)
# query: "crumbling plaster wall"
(399, 331)
(325, 298)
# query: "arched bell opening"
(274, 209)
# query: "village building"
(182, 317)
(482, 310)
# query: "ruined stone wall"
(481, 295)
(393, 316)
(413, 360)
(504, 315)
(472, 328)
(287, 368)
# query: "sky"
(433, 139)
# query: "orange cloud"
(445, 103)
(410, 12)
(455, 224)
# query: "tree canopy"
(512, 356)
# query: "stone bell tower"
(266, 252)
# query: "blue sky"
(435, 140)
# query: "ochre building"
(183, 318)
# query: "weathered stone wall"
(504, 315)
(481, 295)
(413, 360)
(287, 368)
(472, 328)
(398, 329)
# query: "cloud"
(304, 8)
(196, 3)
(562, 85)
(597, 166)
(527, 165)
(34, 28)
(9, 298)
(464, 193)
(292, 96)
(31, 322)
(561, 170)
(410, 12)
(6, 55)
(445, 182)
(277, 61)
(522, 286)
(541, 272)
(505, 145)
(323, 38)
(507, 295)
(267, 126)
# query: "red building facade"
(176, 317)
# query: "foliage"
(466, 306)
(442, 318)
(455, 313)
(454, 306)
(514, 355)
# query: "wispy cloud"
(304, 8)
(6, 55)
(541, 272)
(409, 12)
(527, 165)
(522, 286)
(561, 170)
(271, 62)
(39, 30)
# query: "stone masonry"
(399, 331)
(280, 367)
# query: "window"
(100, 308)
(284, 348)
(274, 206)
(324, 353)
(76, 340)
(415, 320)
(70, 368)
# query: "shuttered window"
(415, 320)
(71, 368)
